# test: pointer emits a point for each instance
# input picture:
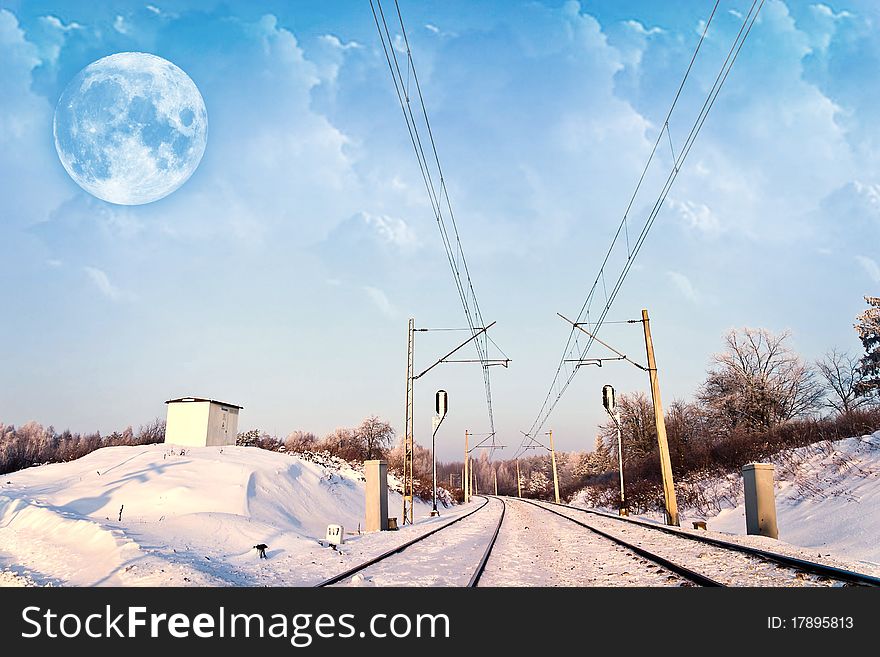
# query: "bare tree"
(339, 442)
(759, 382)
(300, 441)
(843, 375)
(374, 434)
(637, 428)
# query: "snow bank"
(827, 499)
(187, 517)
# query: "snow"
(192, 518)
(827, 498)
(827, 504)
(188, 518)
(537, 548)
(447, 558)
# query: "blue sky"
(281, 275)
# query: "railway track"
(687, 574)
(419, 541)
(799, 569)
(688, 558)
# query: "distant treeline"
(33, 444)
(693, 456)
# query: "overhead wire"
(438, 194)
(561, 383)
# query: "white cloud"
(824, 25)
(391, 231)
(49, 35)
(334, 41)
(871, 196)
(637, 27)
(825, 10)
(33, 183)
(433, 29)
(857, 202)
(54, 262)
(872, 269)
(380, 300)
(120, 25)
(684, 285)
(697, 216)
(399, 44)
(102, 282)
(154, 9)
(58, 24)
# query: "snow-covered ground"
(186, 519)
(827, 502)
(153, 515)
(447, 558)
(827, 498)
(537, 548)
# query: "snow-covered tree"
(600, 458)
(374, 435)
(538, 483)
(638, 431)
(759, 382)
(298, 442)
(868, 327)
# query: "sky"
(282, 274)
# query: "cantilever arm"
(470, 339)
(604, 344)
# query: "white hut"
(198, 422)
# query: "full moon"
(131, 128)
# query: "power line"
(438, 194)
(564, 376)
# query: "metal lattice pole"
(408, 439)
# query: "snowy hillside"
(827, 499)
(186, 518)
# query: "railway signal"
(608, 403)
(608, 398)
(441, 404)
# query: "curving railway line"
(521, 542)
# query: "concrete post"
(760, 499)
(377, 495)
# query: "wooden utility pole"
(467, 474)
(408, 439)
(495, 478)
(555, 476)
(665, 462)
(518, 481)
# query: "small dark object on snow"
(699, 524)
(262, 547)
(120, 513)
